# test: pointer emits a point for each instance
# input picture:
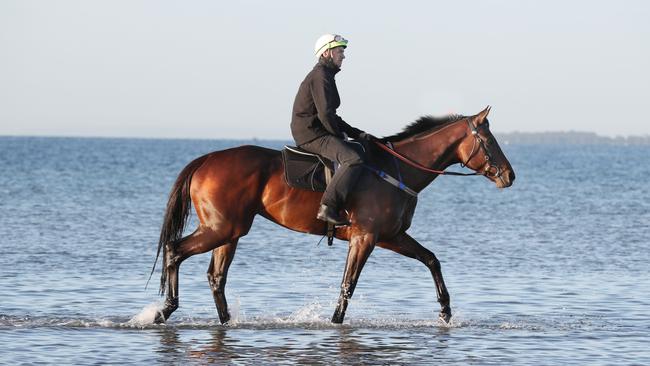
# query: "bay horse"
(229, 187)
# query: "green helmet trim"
(333, 44)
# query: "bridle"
(480, 142)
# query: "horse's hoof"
(160, 318)
(337, 318)
(445, 315)
(225, 320)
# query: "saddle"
(306, 170)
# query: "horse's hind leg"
(360, 248)
(217, 274)
(200, 241)
(407, 246)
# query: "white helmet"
(328, 41)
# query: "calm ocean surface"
(551, 271)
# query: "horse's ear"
(483, 115)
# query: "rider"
(317, 128)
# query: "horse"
(228, 188)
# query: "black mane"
(423, 124)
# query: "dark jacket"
(314, 109)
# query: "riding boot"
(330, 214)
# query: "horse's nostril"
(511, 176)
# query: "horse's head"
(480, 151)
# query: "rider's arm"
(351, 131)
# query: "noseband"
(478, 141)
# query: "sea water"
(553, 270)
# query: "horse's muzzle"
(505, 179)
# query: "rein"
(478, 141)
(418, 165)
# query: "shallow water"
(550, 271)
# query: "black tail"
(176, 215)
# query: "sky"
(231, 69)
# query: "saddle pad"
(303, 169)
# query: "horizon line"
(255, 138)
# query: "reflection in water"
(217, 349)
(171, 347)
(352, 347)
(338, 344)
(372, 346)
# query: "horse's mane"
(423, 124)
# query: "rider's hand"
(366, 136)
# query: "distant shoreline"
(517, 138)
(568, 138)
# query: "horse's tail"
(176, 215)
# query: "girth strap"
(391, 180)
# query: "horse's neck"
(437, 150)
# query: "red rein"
(416, 164)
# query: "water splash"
(236, 314)
(146, 316)
(312, 315)
(309, 313)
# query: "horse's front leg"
(361, 245)
(407, 246)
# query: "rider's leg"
(345, 177)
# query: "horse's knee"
(217, 283)
(433, 263)
(211, 281)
